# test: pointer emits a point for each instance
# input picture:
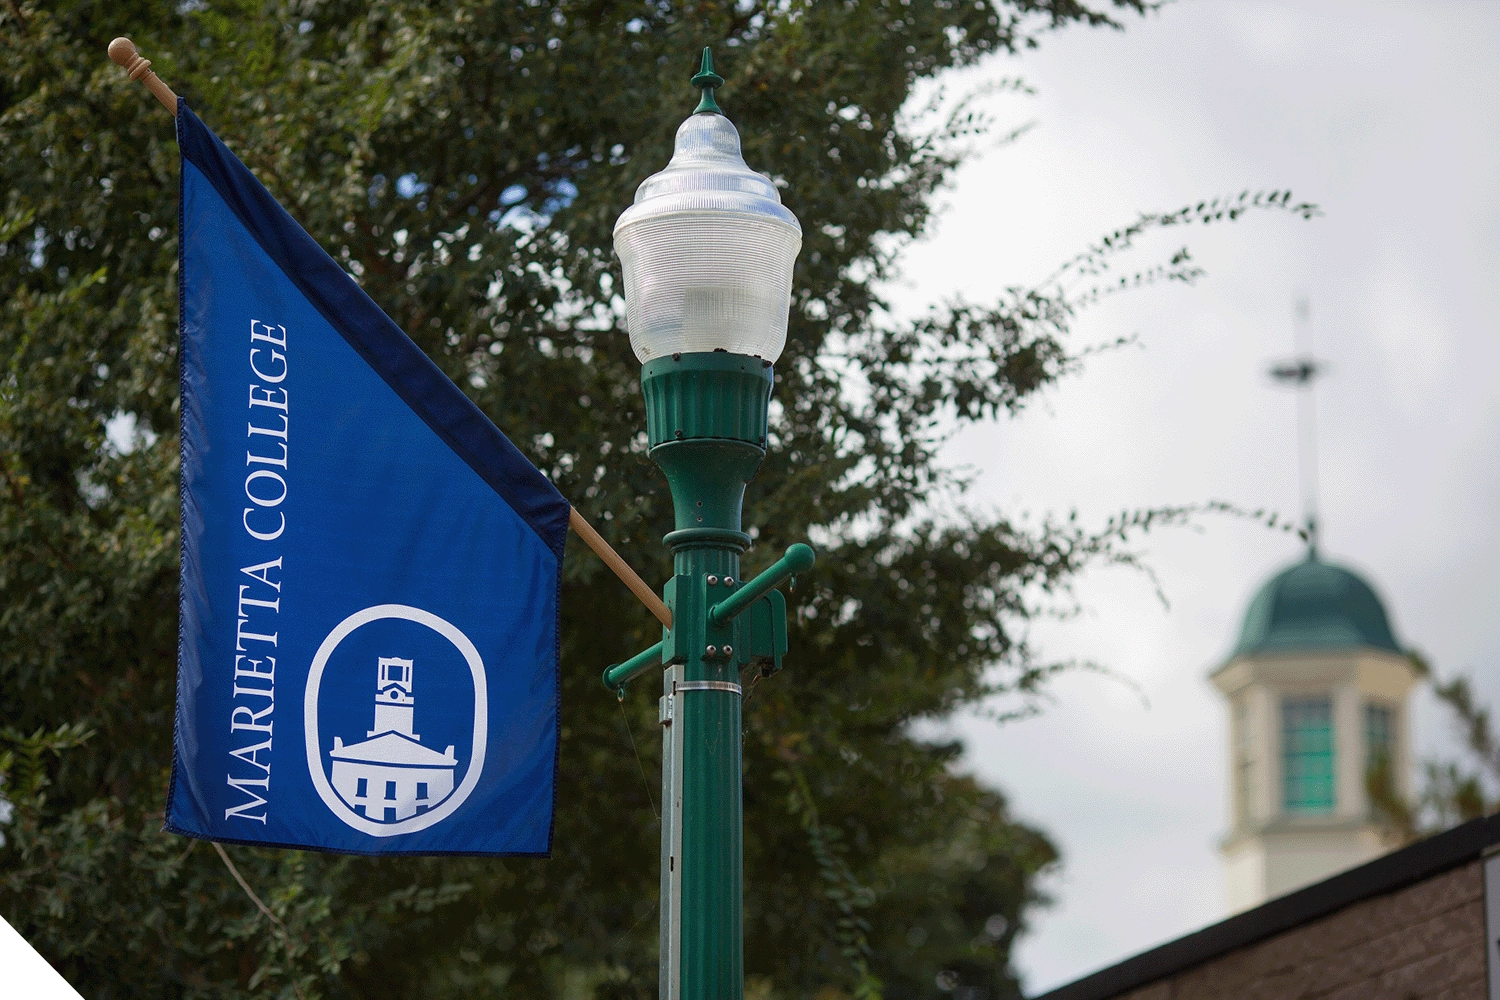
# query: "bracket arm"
(798, 559)
(617, 676)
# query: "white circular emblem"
(393, 758)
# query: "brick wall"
(1424, 942)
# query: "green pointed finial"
(707, 79)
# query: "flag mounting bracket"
(755, 613)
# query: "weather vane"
(1299, 373)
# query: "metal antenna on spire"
(1300, 372)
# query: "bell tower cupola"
(1317, 689)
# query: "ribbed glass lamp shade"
(708, 250)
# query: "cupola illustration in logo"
(391, 775)
(392, 780)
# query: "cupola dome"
(1315, 606)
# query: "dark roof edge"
(1386, 874)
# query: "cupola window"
(1379, 736)
(1307, 754)
(1380, 755)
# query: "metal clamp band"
(732, 688)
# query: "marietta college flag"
(368, 658)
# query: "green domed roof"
(1312, 607)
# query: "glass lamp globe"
(707, 249)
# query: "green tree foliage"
(466, 159)
(1452, 791)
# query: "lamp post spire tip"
(707, 80)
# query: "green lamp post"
(707, 250)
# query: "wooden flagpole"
(123, 52)
(622, 569)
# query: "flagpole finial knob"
(122, 52)
(707, 81)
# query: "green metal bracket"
(617, 676)
(750, 619)
(798, 559)
(761, 630)
(690, 633)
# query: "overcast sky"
(1386, 116)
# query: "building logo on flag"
(378, 676)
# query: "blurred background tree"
(465, 161)
(1452, 790)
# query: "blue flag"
(368, 656)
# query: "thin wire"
(639, 763)
(649, 914)
(286, 935)
(750, 691)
